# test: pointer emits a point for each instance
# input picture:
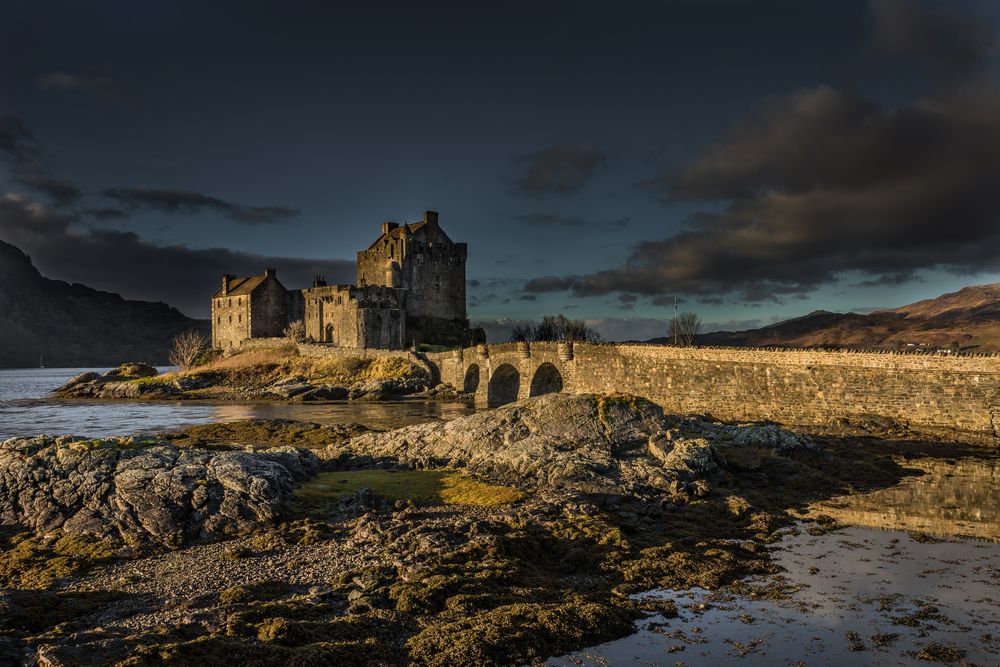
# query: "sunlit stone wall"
(952, 397)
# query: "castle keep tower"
(423, 260)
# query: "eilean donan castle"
(410, 289)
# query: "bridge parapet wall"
(944, 395)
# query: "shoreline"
(369, 551)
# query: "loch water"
(27, 408)
(913, 574)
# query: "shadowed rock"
(588, 442)
(125, 490)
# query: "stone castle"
(410, 289)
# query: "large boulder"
(586, 441)
(132, 491)
(599, 444)
(113, 385)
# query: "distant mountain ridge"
(75, 325)
(977, 301)
(968, 318)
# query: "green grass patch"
(166, 378)
(348, 370)
(423, 487)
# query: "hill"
(968, 303)
(74, 325)
(969, 318)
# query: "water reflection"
(26, 410)
(952, 497)
(870, 597)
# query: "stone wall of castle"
(269, 310)
(952, 397)
(435, 276)
(355, 317)
(230, 321)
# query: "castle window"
(230, 319)
(437, 283)
(240, 318)
(230, 303)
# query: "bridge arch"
(504, 386)
(471, 382)
(546, 380)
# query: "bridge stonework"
(950, 397)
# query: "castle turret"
(423, 260)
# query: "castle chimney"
(388, 227)
(270, 273)
(320, 281)
(431, 218)
(226, 279)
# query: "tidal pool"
(868, 597)
(914, 576)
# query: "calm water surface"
(27, 409)
(859, 582)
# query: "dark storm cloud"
(490, 289)
(65, 82)
(571, 222)
(551, 284)
(32, 175)
(20, 151)
(891, 280)
(187, 202)
(123, 262)
(560, 170)
(943, 41)
(822, 182)
(626, 301)
(16, 141)
(105, 213)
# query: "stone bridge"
(946, 396)
(508, 372)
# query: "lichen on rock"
(133, 491)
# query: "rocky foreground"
(500, 538)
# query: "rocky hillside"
(969, 318)
(74, 325)
(968, 303)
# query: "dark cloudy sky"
(758, 160)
